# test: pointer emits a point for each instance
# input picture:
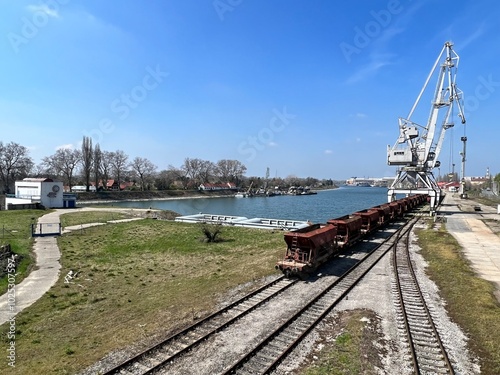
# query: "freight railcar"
(384, 214)
(309, 247)
(369, 220)
(348, 229)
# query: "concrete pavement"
(41, 279)
(479, 244)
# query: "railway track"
(427, 351)
(274, 348)
(158, 356)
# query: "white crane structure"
(417, 149)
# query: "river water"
(319, 208)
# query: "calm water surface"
(316, 208)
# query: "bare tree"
(179, 174)
(164, 179)
(14, 163)
(38, 171)
(106, 167)
(230, 171)
(143, 169)
(198, 170)
(206, 171)
(97, 165)
(63, 163)
(119, 165)
(192, 167)
(87, 156)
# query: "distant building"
(374, 181)
(36, 191)
(82, 188)
(112, 185)
(452, 186)
(477, 181)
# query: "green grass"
(352, 351)
(470, 299)
(135, 280)
(15, 228)
(78, 218)
(490, 200)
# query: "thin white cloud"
(328, 152)
(43, 8)
(68, 146)
(381, 53)
(479, 31)
(368, 70)
(272, 144)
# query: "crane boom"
(418, 147)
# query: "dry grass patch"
(134, 280)
(351, 350)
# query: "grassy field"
(134, 280)
(15, 228)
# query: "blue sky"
(306, 88)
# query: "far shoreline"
(133, 196)
(98, 201)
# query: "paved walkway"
(46, 274)
(41, 279)
(480, 245)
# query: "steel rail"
(291, 342)
(423, 305)
(150, 352)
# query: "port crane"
(417, 148)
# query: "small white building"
(45, 191)
(83, 188)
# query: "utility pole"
(462, 173)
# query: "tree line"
(90, 165)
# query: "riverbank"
(119, 196)
(86, 198)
